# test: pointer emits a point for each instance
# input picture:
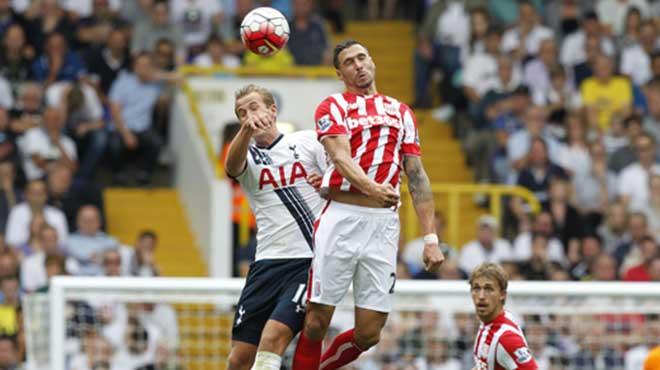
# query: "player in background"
(272, 168)
(368, 137)
(500, 343)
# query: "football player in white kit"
(273, 168)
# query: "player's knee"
(239, 361)
(273, 341)
(315, 327)
(366, 339)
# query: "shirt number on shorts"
(298, 297)
(393, 277)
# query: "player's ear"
(339, 75)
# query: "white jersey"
(284, 204)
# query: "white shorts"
(359, 245)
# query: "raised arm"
(236, 160)
(339, 152)
(419, 188)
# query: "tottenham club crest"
(324, 123)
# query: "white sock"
(267, 361)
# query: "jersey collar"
(269, 147)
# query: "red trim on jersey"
(510, 339)
(311, 268)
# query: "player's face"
(252, 107)
(487, 297)
(356, 68)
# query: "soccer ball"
(264, 31)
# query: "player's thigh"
(256, 304)
(241, 356)
(375, 274)
(288, 315)
(336, 242)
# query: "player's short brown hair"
(266, 95)
(491, 271)
(341, 47)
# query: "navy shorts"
(274, 290)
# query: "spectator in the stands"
(568, 225)
(34, 242)
(481, 67)
(652, 208)
(164, 55)
(9, 356)
(133, 97)
(69, 196)
(15, 56)
(626, 154)
(614, 229)
(633, 186)
(603, 268)
(649, 249)
(49, 19)
(8, 150)
(628, 253)
(88, 244)
(217, 55)
(140, 260)
(104, 64)
(605, 94)
(27, 112)
(18, 225)
(8, 263)
(84, 123)
(537, 70)
(538, 172)
(612, 13)
(524, 39)
(574, 49)
(93, 29)
(538, 265)
(34, 273)
(487, 247)
(652, 119)
(595, 190)
(308, 41)
(574, 155)
(581, 256)
(43, 147)
(157, 27)
(9, 194)
(197, 19)
(636, 59)
(57, 62)
(522, 246)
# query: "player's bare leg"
(348, 346)
(275, 337)
(274, 340)
(241, 356)
(308, 351)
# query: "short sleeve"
(410, 145)
(329, 118)
(512, 353)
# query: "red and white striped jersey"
(381, 131)
(501, 345)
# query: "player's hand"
(260, 121)
(433, 256)
(314, 179)
(385, 195)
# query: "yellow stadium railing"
(454, 207)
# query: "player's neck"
(370, 90)
(267, 138)
(495, 315)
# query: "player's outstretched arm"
(339, 151)
(236, 160)
(419, 188)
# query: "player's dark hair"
(341, 47)
(148, 234)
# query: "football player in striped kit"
(500, 343)
(370, 139)
(273, 170)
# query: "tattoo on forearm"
(418, 182)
